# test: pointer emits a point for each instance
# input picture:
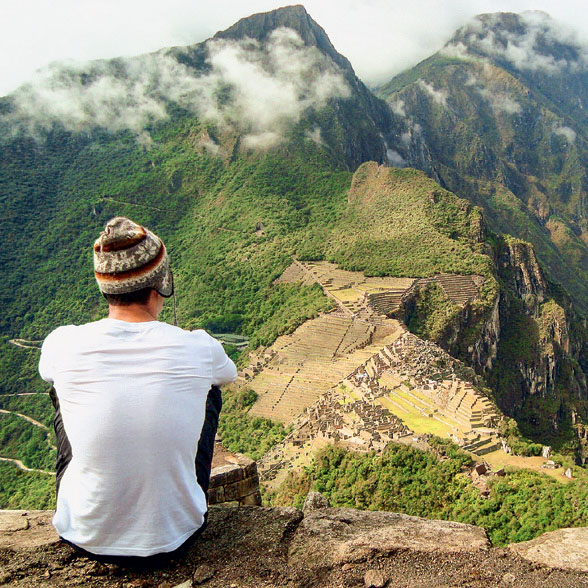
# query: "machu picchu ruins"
(358, 377)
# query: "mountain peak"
(530, 40)
(260, 26)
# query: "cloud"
(569, 134)
(394, 158)
(381, 38)
(255, 89)
(500, 102)
(457, 50)
(528, 42)
(398, 108)
(439, 96)
(315, 135)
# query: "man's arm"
(223, 368)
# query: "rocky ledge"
(249, 546)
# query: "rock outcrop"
(286, 548)
(564, 548)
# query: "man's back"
(132, 396)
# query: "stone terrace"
(356, 377)
(350, 290)
(302, 366)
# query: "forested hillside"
(243, 153)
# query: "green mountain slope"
(500, 110)
(235, 192)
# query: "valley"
(399, 273)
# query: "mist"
(381, 38)
(529, 47)
(257, 90)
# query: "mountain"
(502, 110)
(247, 153)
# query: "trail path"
(26, 394)
(22, 466)
(32, 421)
(26, 344)
(27, 418)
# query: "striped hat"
(129, 257)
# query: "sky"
(380, 37)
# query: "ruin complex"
(358, 377)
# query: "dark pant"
(204, 454)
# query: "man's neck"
(133, 313)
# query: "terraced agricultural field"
(316, 357)
(349, 289)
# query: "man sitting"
(137, 405)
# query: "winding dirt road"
(27, 394)
(26, 344)
(32, 421)
(22, 466)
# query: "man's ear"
(155, 297)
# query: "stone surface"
(334, 536)
(273, 548)
(315, 501)
(565, 548)
(26, 528)
(203, 573)
(251, 500)
(234, 478)
(374, 579)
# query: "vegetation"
(38, 407)
(233, 219)
(432, 313)
(26, 442)
(23, 490)
(242, 433)
(495, 143)
(521, 505)
(410, 226)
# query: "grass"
(415, 420)
(499, 459)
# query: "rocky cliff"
(285, 547)
(522, 334)
(498, 117)
(542, 358)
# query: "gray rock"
(566, 549)
(330, 537)
(315, 501)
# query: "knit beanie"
(129, 257)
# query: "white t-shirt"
(132, 397)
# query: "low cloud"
(500, 103)
(315, 136)
(456, 50)
(398, 108)
(569, 134)
(256, 89)
(439, 96)
(394, 158)
(529, 43)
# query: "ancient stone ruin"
(233, 478)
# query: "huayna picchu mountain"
(260, 150)
(502, 111)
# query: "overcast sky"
(379, 37)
